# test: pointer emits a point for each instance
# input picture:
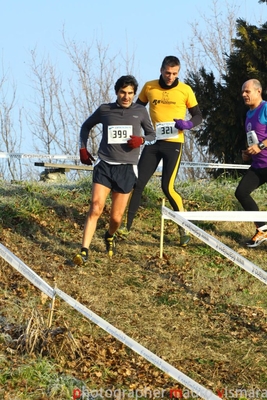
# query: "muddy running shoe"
(80, 259)
(184, 237)
(122, 232)
(110, 244)
(259, 237)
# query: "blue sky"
(151, 29)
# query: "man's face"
(169, 74)
(251, 95)
(125, 96)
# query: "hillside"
(194, 308)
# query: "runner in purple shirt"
(256, 128)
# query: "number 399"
(119, 134)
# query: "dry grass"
(194, 308)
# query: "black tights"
(170, 153)
(253, 179)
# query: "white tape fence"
(226, 251)
(186, 164)
(23, 168)
(20, 156)
(37, 281)
(233, 216)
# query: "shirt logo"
(164, 101)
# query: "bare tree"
(211, 39)
(61, 105)
(210, 44)
(95, 71)
(10, 139)
(43, 118)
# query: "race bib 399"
(118, 134)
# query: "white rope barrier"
(18, 156)
(139, 349)
(24, 270)
(37, 281)
(186, 164)
(213, 165)
(226, 251)
(241, 216)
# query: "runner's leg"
(147, 165)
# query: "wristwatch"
(261, 146)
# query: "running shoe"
(122, 232)
(259, 237)
(110, 244)
(80, 259)
(184, 237)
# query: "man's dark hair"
(126, 80)
(170, 61)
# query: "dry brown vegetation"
(193, 308)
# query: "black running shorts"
(119, 178)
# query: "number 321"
(166, 130)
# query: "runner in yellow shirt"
(168, 99)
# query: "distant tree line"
(222, 130)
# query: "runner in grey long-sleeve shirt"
(116, 167)
(132, 119)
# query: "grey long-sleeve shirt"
(114, 118)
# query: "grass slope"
(193, 308)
